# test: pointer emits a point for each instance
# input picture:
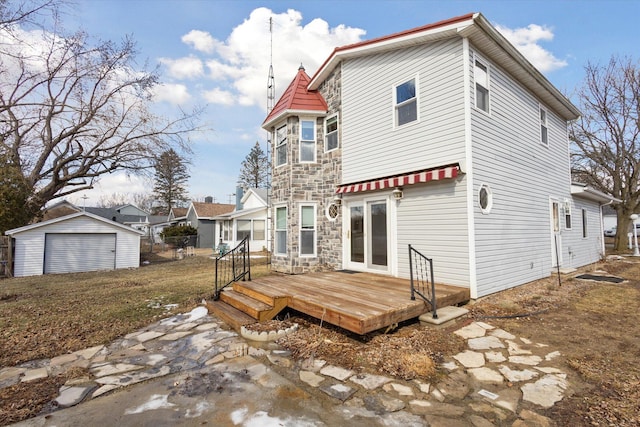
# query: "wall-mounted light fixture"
(338, 199)
(397, 193)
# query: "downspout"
(473, 278)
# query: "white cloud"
(527, 40)
(201, 41)
(238, 66)
(108, 185)
(188, 67)
(171, 92)
(219, 96)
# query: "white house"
(249, 218)
(443, 137)
(74, 243)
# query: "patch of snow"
(197, 313)
(156, 401)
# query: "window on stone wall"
(308, 230)
(281, 146)
(331, 133)
(281, 231)
(307, 141)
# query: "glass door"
(367, 235)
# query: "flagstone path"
(500, 379)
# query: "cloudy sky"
(217, 54)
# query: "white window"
(281, 231)
(331, 133)
(544, 132)
(307, 141)
(567, 214)
(308, 230)
(584, 223)
(406, 106)
(258, 229)
(481, 77)
(243, 229)
(226, 231)
(281, 146)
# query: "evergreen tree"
(15, 192)
(255, 169)
(170, 179)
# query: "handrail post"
(216, 294)
(433, 290)
(248, 269)
(413, 296)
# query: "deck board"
(358, 302)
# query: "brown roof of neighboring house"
(209, 210)
(179, 212)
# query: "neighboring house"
(127, 214)
(443, 137)
(59, 209)
(249, 218)
(177, 216)
(74, 243)
(202, 216)
(610, 217)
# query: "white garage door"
(72, 253)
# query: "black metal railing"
(421, 271)
(232, 266)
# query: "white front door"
(556, 236)
(367, 243)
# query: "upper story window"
(331, 133)
(406, 103)
(481, 76)
(281, 146)
(544, 130)
(307, 141)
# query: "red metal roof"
(298, 98)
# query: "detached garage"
(74, 243)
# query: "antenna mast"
(271, 98)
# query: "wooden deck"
(358, 302)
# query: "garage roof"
(68, 217)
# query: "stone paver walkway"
(500, 379)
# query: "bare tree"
(72, 111)
(143, 201)
(255, 168)
(606, 145)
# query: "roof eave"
(518, 66)
(383, 44)
(586, 192)
(287, 113)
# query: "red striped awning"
(401, 180)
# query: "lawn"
(46, 316)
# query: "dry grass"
(45, 316)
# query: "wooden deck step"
(244, 303)
(230, 315)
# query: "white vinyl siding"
(76, 252)
(432, 218)
(376, 148)
(30, 244)
(579, 250)
(513, 242)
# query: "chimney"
(239, 196)
(208, 199)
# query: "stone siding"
(296, 183)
